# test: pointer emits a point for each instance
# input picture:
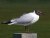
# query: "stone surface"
(25, 35)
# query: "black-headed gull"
(25, 19)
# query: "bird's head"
(38, 12)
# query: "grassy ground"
(42, 27)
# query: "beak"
(42, 13)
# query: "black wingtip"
(6, 22)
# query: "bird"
(25, 19)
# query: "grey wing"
(27, 18)
(24, 20)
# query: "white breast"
(36, 18)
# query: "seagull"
(25, 19)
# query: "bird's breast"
(36, 18)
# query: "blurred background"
(14, 8)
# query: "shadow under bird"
(25, 19)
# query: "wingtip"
(5, 22)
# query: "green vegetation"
(9, 10)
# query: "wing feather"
(25, 19)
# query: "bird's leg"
(26, 29)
